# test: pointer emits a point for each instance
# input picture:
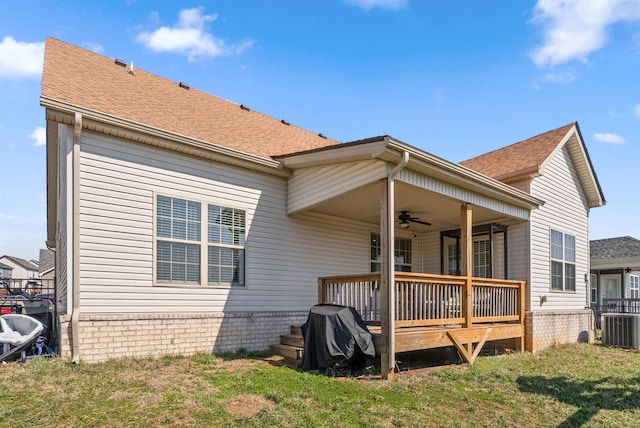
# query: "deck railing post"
(521, 314)
(322, 291)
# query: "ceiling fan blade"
(426, 223)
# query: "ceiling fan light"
(404, 225)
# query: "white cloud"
(636, 110)
(609, 138)
(20, 59)
(190, 37)
(575, 28)
(562, 78)
(382, 4)
(39, 135)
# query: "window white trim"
(209, 249)
(482, 257)
(634, 286)
(402, 254)
(562, 265)
(594, 288)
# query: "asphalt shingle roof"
(22, 262)
(526, 155)
(624, 247)
(78, 77)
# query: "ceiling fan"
(404, 219)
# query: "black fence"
(27, 289)
(36, 298)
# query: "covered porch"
(434, 295)
(434, 311)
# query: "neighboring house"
(184, 223)
(22, 269)
(47, 265)
(5, 271)
(615, 269)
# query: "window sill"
(200, 286)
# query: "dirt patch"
(247, 405)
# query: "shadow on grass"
(588, 396)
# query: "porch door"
(610, 286)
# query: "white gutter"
(75, 315)
(151, 133)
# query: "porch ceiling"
(363, 204)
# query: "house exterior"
(21, 269)
(46, 265)
(5, 271)
(555, 167)
(184, 223)
(615, 270)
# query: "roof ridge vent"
(244, 107)
(120, 62)
(321, 135)
(184, 86)
(284, 122)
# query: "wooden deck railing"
(428, 300)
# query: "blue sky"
(454, 78)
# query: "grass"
(571, 385)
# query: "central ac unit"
(621, 330)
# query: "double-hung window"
(402, 254)
(482, 258)
(634, 286)
(199, 243)
(226, 238)
(563, 261)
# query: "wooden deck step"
(291, 345)
(287, 351)
(292, 340)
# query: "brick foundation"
(548, 328)
(108, 336)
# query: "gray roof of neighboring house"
(624, 247)
(22, 262)
(47, 260)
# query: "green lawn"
(573, 385)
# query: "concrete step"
(287, 351)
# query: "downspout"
(75, 314)
(390, 265)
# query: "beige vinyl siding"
(518, 253)
(285, 255)
(430, 243)
(311, 186)
(566, 211)
(64, 216)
